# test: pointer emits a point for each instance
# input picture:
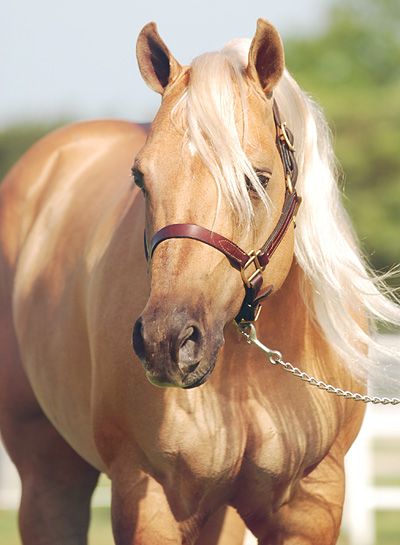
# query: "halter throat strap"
(251, 265)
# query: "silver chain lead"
(275, 357)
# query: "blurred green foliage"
(352, 68)
(15, 140)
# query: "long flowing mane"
(326, 248)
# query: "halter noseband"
(251, 265)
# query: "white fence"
(10, 488)
(363, 498)
(9, 482)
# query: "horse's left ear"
(156, 64)
(266, 57)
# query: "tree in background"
(15, 140)
(353, 70)
(360, 47)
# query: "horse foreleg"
(141, 515)
(225, 527)
(313, 515)
(140, 511)
(57, 484)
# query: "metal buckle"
(289, 184)
(284, 134)
(257, 314)
(244, 322)
(258, 268)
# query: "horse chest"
(202, 446)
(231, 448)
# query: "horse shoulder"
(59, 207)
(29, 184)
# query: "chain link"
(275, 357)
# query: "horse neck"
(287, 324)
(285, 402)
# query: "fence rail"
(363, 497)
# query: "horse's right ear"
(156, 64)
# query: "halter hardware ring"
(244, 323)
(258, 268)
(289, 184)
(284, 136)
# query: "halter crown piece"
(250, 265)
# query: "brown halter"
(257, 259)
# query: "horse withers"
(227, 442)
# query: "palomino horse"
(217, 166)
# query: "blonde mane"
(210, 106)
(326, 248)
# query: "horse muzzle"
(174, 349)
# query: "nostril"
(189, 349)
(185, 368)
(137, 339)
(189, 340)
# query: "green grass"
(99, 534)
(8, 528)
(388, 526)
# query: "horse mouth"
(187, 382)
(199, 380)
(160, 382)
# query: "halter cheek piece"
(251, 265)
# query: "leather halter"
(251, 265)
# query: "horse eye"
(138, 179)
(264, 179)
(262, 176)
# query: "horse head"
(211, 160)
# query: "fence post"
(10, 487)
(358, 519)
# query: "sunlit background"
(77, 59)
(69, 61)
